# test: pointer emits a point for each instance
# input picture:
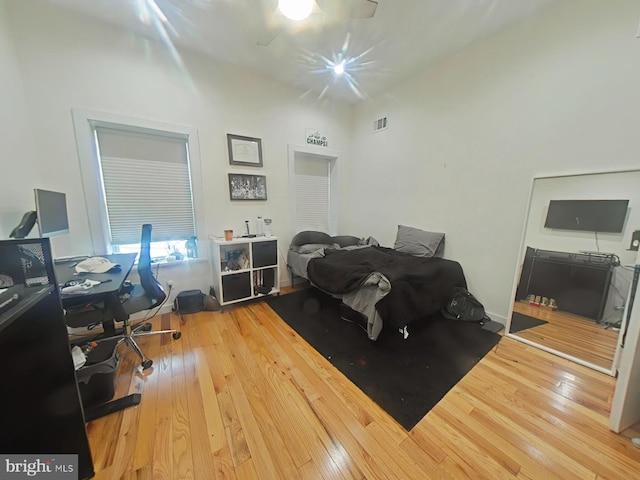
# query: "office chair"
(145, 296)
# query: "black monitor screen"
(587, 215)
(51, 208)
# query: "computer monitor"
(51, 209)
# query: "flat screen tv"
(605, 216)
(51, 209)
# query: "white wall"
(556, 94)
(68, 61)
(17, 155)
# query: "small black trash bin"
(96, 379)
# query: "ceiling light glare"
(295, 9)
(338, 69)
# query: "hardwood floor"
(571, 334)
(243, 396)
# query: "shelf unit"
(245, 268)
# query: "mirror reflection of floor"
(571, 334)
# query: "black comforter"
(419, 286)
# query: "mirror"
(576, 265)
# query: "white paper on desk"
(81, 288)
(79, 359)
(75, 290)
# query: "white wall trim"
(88, 158)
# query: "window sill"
(171, 262)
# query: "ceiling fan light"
(295, 9)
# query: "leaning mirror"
(576, 265)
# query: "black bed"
(389, 287)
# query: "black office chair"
(145, 296)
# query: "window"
(137, 172)
(145, 179)
(312, 191)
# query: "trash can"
(97, 378)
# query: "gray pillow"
(418, 242)
(310, 236)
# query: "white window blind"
(312, 192)
(146, 179)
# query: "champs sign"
(314, 137)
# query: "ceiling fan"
(322, 12)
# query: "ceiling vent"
(381, 124)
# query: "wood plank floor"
(571, 334)
(242, 396)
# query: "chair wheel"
(176, 335)
(146, 364)
(146, 327)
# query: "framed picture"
(244, 150)
(247, 187)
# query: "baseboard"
(497, 318)
(136, 317)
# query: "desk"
(104, 292)
(107, 293)
(41, 411)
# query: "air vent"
(381, 124)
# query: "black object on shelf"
(264, 253)
(236, 286)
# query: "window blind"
(312, 194)
(146, 179)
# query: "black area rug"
(405, 377)
(520, 322)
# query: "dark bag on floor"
(464, 306)
(189, 301)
